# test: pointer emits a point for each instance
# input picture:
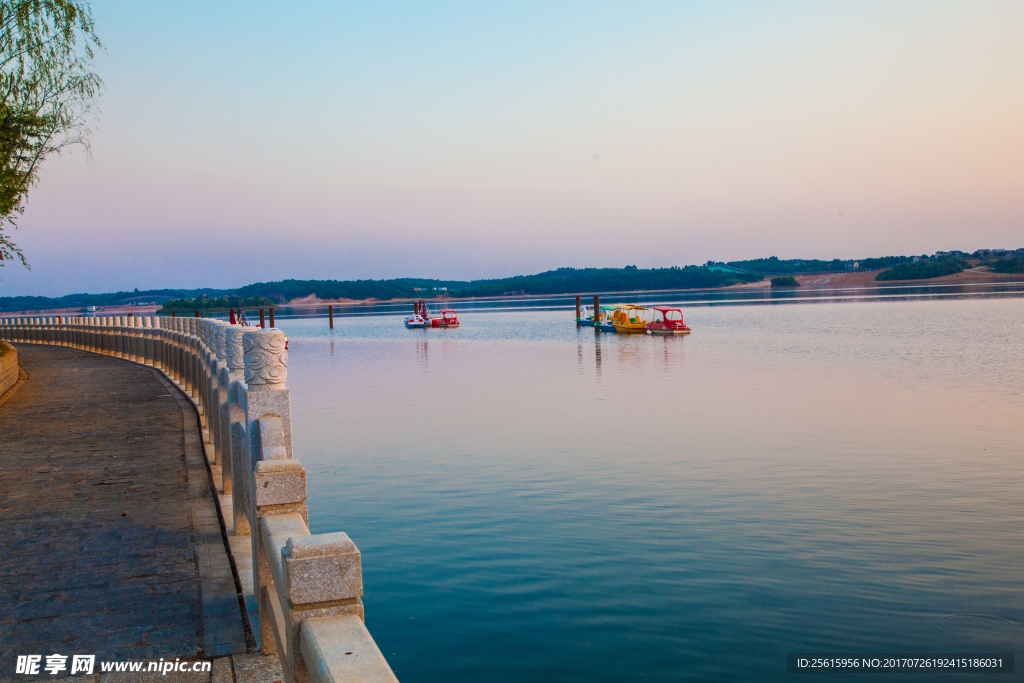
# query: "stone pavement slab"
(112, 545)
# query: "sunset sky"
(244, 142)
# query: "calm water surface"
(537, 502)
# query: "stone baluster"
(222, 405)
(147, 337)
(213, 396)
(169, 332)
(137, 341)
(190, 357)
(119, 333)
(236, 429)
(179, 340)
(158, 342)
(207, 359)
(107, 329)
(185, 351)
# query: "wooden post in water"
(578, 299)
(263, 319)
(330, 314)
(197, 314)
(597, 309)
(174, 314)
(271, 316)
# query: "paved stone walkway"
(111, 544)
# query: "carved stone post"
(267, 412)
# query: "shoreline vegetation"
(923, 270)
(712, 275)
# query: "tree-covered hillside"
(922, 270)
(774, 265)
(584, 280)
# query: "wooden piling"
(578, 300)
(597, 309)
(330, 314)
(263, 319)
(174, 314)
(271, 316)
(197, 314)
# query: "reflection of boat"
(415, 320)
(448, 319)
(631, 318)
(668, 320)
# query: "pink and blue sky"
(241, 142)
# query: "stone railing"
(8, 367)
(307, 587)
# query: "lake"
(536, 501)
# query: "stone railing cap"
(321, 545)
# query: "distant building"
(440, 289)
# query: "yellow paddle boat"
(630, 318)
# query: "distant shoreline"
(854, 279)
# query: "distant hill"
(584, 280)
(34, 303)
(776, 266)
(561, 281)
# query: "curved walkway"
(111, 543)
